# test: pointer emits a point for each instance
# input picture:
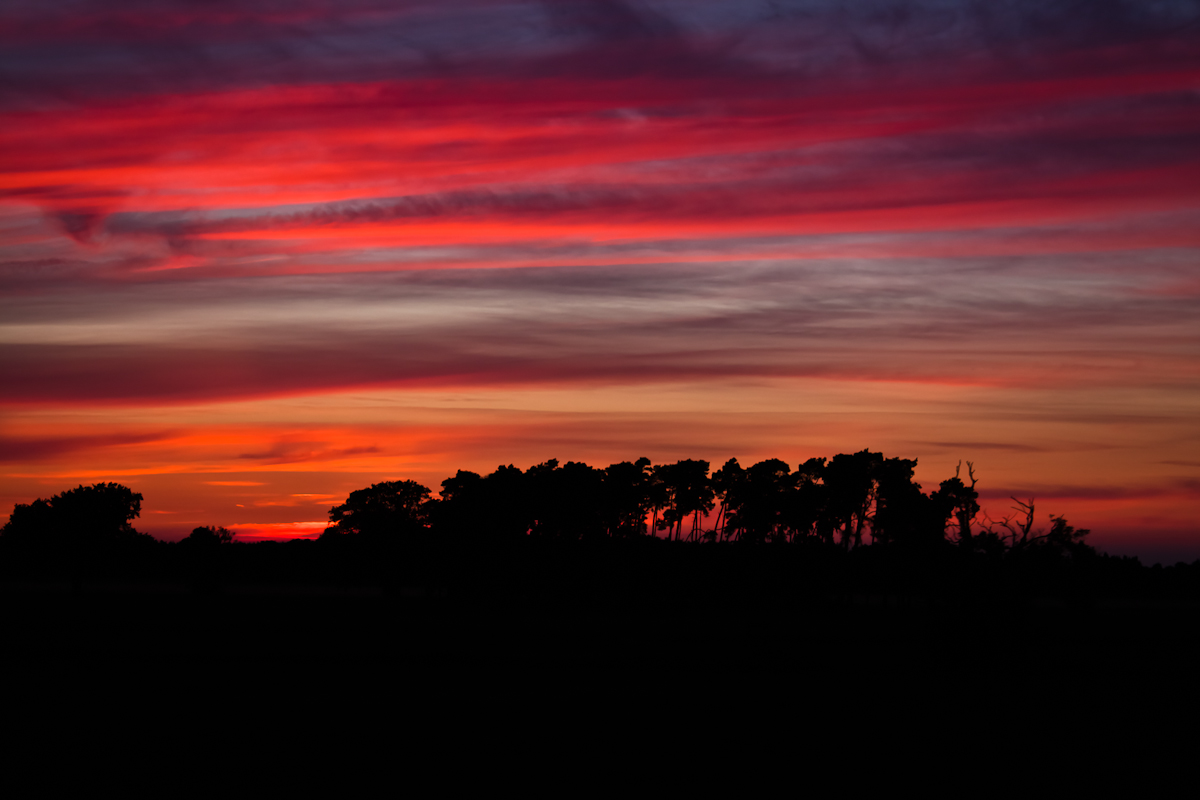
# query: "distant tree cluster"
(208, 536)
(845, 501)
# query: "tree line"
(846, 502)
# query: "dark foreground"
(372, 669)
(561, 663)
(406, 673)
(611, 614)
(303, 630)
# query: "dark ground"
(656, 640)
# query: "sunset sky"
(255, 255)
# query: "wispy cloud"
(27, 449)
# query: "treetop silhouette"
(388, 508)
(844, 501)
(86, 516)
(209, 536)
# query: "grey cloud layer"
(979, 322)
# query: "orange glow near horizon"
(276, 479)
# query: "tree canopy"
(95, 515)
(207, 536)
(846, 501)
(391, 508)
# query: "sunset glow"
(256, 255)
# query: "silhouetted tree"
(388, 509)
(31, 523)
(207, 536)
(804, 513)
(569, 501)
(658, 497)
(726, 483)
(689, 494)
(495, 508)
(963, 502)
(1062, 540)
(850, 494)
(459, 512)
(628, 497)
(1065, 538)
(903, 513)
(1016, 531)
(759, 499)
(90, 517)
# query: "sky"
(256, 255)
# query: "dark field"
(617, 613)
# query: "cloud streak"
(952, 322)
(27, 449)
